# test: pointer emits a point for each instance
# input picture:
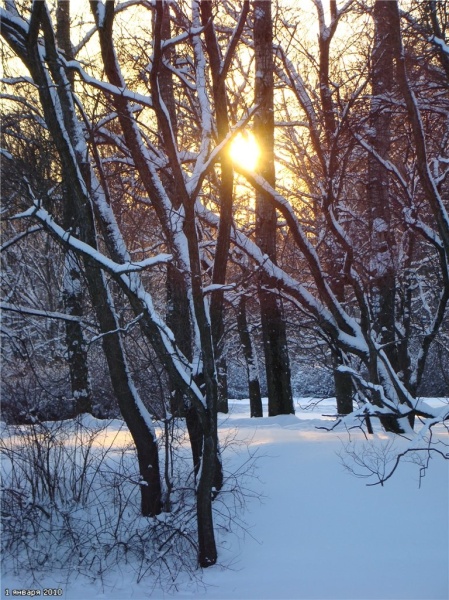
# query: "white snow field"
(313, 530)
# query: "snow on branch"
(125, 329)
(352, 341)
(193, 31)
(46, 314)
(441, 43)
(68, 239)
(106, 87)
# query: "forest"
(205, 200)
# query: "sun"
(244, 150)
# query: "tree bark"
(72, 282)
(249, 352)
(277, 365)
(379, 202)
(344, 391)
(382, 242)
(76, 346)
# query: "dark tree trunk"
(76, 346)
(277, 365)
(210, 473)
(226, 195)
(222, 380)
(178, 316)
(343, 389)
(72, 283)
(178, 319)
(382, 242)
(379, 202)
(249, 352)
(178, 313)
(66, 138)
(433, 197)
(130, 405)
(207, 415)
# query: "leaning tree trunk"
(131, 407)
(60, 116)
(210, 473)
(178, 310)
(277, 365)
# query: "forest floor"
(308, 528)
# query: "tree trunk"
(343, 388)
(68, 139)
(379, 202)
(178, 313)
(226, 197)
(210, 473)
(277, 365)
(131, 407)
(222, 380)
(249, 352)
(76, 347)
(382, 242)
(72, 281)
(178, 319)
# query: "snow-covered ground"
(309, 529)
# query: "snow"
(439, 42)
(309, 529)
(108, 264)
(259, 13)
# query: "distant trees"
(136, 187)
(353, 238)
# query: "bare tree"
(72, 281)
(277, 365)
(61, 120)
(141, 135)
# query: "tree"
(178, 225)
(60, 116)
(140, 138)
(277, 364)
(380, 391)
(72, 285)
(219, 67)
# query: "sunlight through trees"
(207, 199)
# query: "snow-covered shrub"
(70, 502)
(314, 380)
(435, 381)
(29, 392)
(69, 505)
